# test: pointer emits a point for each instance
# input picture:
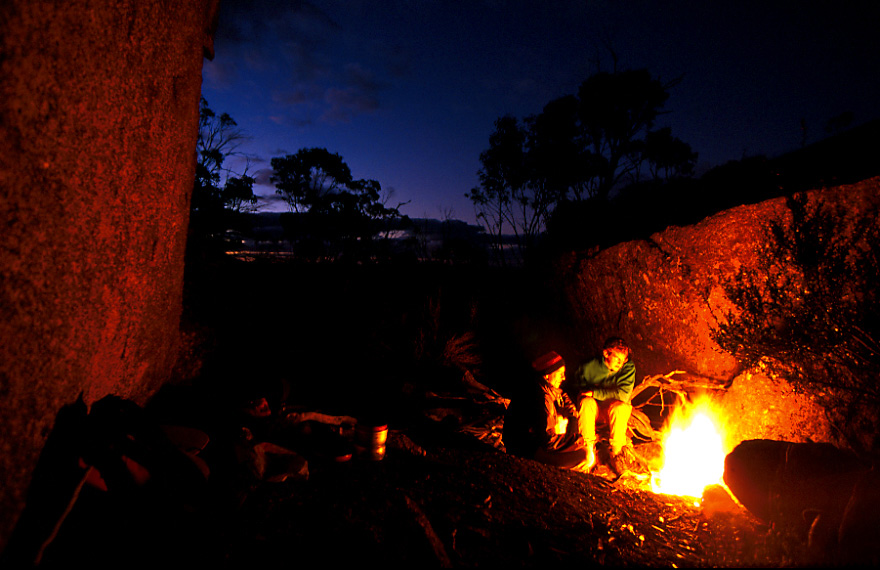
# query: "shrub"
(808, 312)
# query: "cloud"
(335, 98)
(277, 38)
(312, 69)
(343, 104)
(251, 21)
(262, 176)
(272, 203)
(359, 77)
(358, 93)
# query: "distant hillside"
(268, 226)
(265, 225)
(643, 209)
(846, 158)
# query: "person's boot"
(627, 461)
(587, 464)
(591, 455)
(617, 463)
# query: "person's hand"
(561, 425)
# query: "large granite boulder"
(666, 295)
(99, 107)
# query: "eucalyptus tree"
(332, 214)
(616, 111)
(668, 157)
(220, 192)
(506, 199)
(579, 149)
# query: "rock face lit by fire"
(98, 118)
(666, 294)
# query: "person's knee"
(620, 410)
(589, 407)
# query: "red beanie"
(548, 363)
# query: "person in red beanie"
(544, 426)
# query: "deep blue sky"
(407, 91)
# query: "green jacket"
(595, 376)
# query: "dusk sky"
(407, 91)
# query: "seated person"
(543, 423)
(601, 388)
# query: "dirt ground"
(445, 499)
(439, 497)
(458, 507)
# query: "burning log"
(693, 452)
(824, 493)
(640, 424)
(662, 381)
(665, 383)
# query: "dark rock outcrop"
(822, 493)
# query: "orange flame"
(693, 453)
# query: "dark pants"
(567, 457)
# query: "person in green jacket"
(601, 389)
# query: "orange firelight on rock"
(693, 454)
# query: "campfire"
(693, 452)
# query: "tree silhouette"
(668, 157)
(332, 215)
(219, 193)
(308, 178)
(578, 150)
(615, 110)
(509, 197)
(559, 158)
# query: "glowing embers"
(693, 454)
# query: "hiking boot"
(587, 464)
(618, 466)
(591, 456)
(627, 462)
